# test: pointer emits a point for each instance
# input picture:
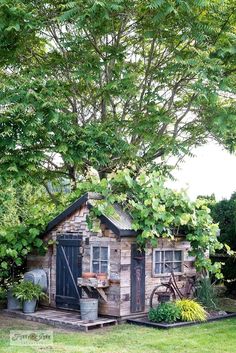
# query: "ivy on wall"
(158, 212)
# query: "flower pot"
(12, 302)
(88, 275)
(102, 276)
(89, 309)
(29, 306)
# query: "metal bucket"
(89, 309)
(12, 302)
(29, 306)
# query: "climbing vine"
(158, 212)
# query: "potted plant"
(28, 293)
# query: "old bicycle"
(170, 290)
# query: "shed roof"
(120, 222)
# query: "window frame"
(154, 274)
(108, 257)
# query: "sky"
(212, 170)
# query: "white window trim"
(108, 256)
(167, 273)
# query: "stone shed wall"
(150, 280)
(118, 293)
(76, 223)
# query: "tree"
(101, 83)
(224, 213)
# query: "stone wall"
(150, 280)
(77, 224)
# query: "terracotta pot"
(88, 275)
(101, 276)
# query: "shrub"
(205, 293)
(190, 310)
(166, 312)
(229, 272)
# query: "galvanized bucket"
(12, 302)
(29, 306)
(89, 309)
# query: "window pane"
(157, 256)
(104, 253)
(104, 266)
(162, 256)
(158, 268)
(177, 266)
(96, 252)
(178, 255)
(168, 267)
(168, 256)
(96, 266)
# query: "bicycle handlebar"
(171, 268)
(176, 266)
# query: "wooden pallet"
(98, 324)
(62, 319)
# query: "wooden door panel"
(137, 280)
(68, 269)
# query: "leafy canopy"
(99, 83)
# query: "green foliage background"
(224, 213)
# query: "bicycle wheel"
(162, 293)
(191, 289)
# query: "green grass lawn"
(215, 337)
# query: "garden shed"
(127, 276)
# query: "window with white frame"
(165, 261)
(99, 259)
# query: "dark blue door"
(68, 269)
